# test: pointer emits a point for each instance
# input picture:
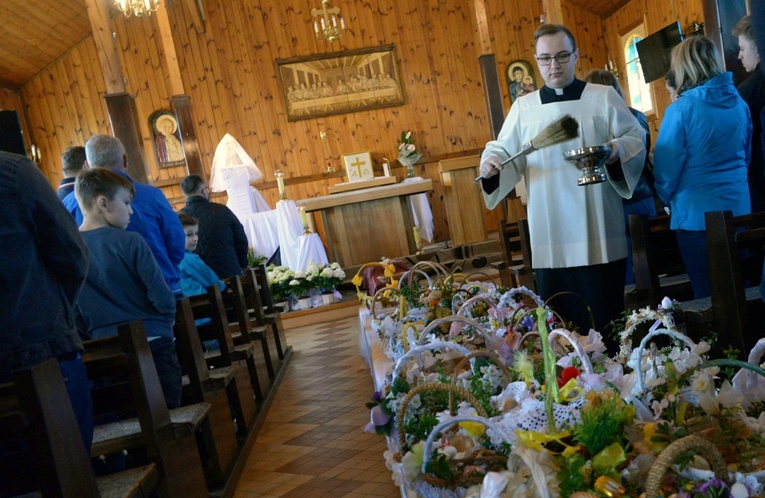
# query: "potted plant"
(329, 278)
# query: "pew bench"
(168, 436)
(515, 270)
(36, 405)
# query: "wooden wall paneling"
(588, 30)
(50, 151)
(96, 89)
(68, 108)
(82, 109)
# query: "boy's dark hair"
(187, 221)
(73, 159)
(554, 29)
(191, 184)
(91, 183)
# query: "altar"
(367, 225)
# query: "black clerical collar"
(571, 92)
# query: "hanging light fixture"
(329, 24)
(137, 8)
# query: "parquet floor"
(311, 443)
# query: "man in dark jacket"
(43, 264)
(222, 241)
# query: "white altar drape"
(421, 212)
(297, 250)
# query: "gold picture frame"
(339, 82)
(166, 136)
(358, 166)
(520, 79)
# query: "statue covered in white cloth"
(232, 171)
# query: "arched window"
(639, 91)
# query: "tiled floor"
(311, 443)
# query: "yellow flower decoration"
(357, 280)
(649, 432)
(552, 443)
(473, 429)
(390, 270)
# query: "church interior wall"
(229, 72)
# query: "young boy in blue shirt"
(196, 276)
(124, 283)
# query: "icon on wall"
(168, 146)
(520, 79)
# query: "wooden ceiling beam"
(101, 25)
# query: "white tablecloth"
(421, 212)
(261, 232)
(311, 251)
(297, 251)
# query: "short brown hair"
(695, 61)
(73, 159)
(187, 221)
(554, 29)
(743, 28)
(602, 77)
(91, 183)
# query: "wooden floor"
(311, 443)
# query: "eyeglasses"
(562, 58)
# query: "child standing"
(196, 276)
(124, 283)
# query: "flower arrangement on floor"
(286, 284)
(254, 261)
(407, 153)
(497, 399)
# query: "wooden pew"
(515, 270)
(656, 262)
(264, 312)
(239, 358)
(167, 436)
(735, 249)
(213, 387)
(36, 405)
(245, 330)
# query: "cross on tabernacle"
(358, 164)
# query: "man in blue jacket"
(153, 217)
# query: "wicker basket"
(439, 386)
(671, 452)
(488, 338)
(482, 458)
(491, 356)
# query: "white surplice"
(570, 225)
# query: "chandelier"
(137, 8)
(330, 24)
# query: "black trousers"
(600, 286)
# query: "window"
(640, 96)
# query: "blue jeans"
(693, 248)
(643, 206)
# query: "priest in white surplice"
(577, 233)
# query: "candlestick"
(280, 184)
(304, 219)
(417, 239)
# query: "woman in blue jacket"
(702, 152)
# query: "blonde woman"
(702, 152)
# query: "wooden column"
(123, 116)
(488, 65)
(553, 12)
(182, 107)
(100, 24)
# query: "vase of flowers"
(407, 153)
